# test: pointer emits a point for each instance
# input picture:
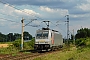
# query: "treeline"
(13, 36)
(82, 33)
(82, 38)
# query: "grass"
(14, 47)
(8, 50)
(5, 42)
(72, 54)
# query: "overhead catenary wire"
(60, 20)
(30, 21)
(38, 25)
(21, 10)
(8, 20)
(58, 27)
(41, 26)
(34, 25)
(10, 15)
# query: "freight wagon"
(47, 39)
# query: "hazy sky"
(52, 10)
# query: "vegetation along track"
(21, 56)
(29, 56)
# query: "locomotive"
(47, 39)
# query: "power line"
(34, 25)
(30, 21)
(10, 15)
(14, 8)
(38, 25)
(58, 27)
(20, 10)
(8, 20)
(60, 21)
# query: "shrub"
(80, 42)
(26, 45)
(17, 43)
(29, 44)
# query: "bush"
(17, 43)
(29, 44)
(80, 42)
(26, 45)
(15, 47)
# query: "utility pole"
(22, 21)
(67, 28)
(22, 33)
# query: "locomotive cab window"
(38, 36)
(42, 35)
(45, 35)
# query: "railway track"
(21, 56)
(29, 56)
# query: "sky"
(12, 11)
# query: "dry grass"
(4, 45)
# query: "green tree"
(2, 37)
(11, 37)
(17, 36)
(82, 33)
(27, 36)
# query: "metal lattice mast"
(67, 28)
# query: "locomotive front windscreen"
(42, 35)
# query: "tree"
(27, 36)
(10, 37)
(83, 33)
(2, 37)
(17, 36)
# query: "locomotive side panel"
(57, 40)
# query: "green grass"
(15, 47)
(8, 50)
(72, 54)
